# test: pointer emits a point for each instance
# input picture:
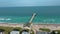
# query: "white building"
(1, 31)
(24, 32)
(39, 32)
(15, 31)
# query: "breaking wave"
(5, 18)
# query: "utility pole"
(34, 14)
(29, 24)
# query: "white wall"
(14, 32)
(25, 32)
(1, 32)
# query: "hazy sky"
(11, 3)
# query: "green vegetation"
(45, 29)
(53, 32)
(48, 30)
(32, 32)
(7, 30)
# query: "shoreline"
(27, 22)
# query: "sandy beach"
(49, 26)
(34, 26)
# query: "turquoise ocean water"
(45, 14)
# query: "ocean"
(44, 14)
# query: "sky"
(13, 3)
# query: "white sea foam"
(5, 18)
(8, 19)
(2, 19)
(46, 20)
